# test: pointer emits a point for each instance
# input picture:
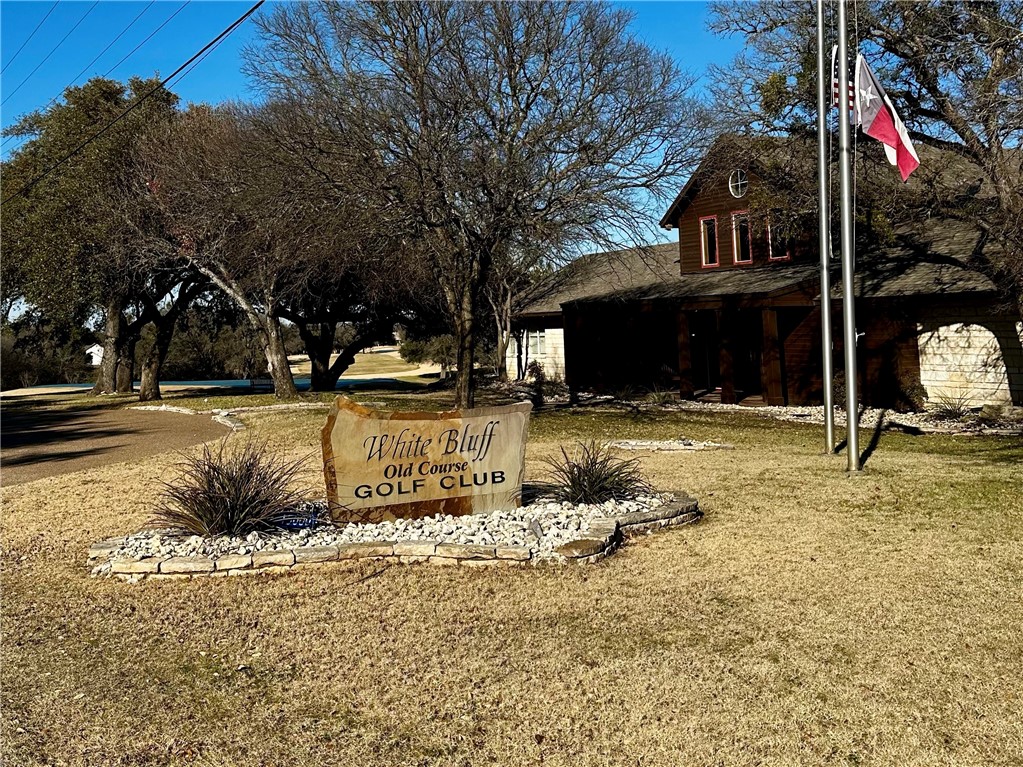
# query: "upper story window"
(779, 244)
(738, 183)
(742, 246)
(709, 240)
(537, 343)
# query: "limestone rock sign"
(381, 464)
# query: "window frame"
(540, 335)
(703, 244)
(741, 182)
(740, 214)
(770, 245)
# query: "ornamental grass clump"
(236, 492)
(595, 476)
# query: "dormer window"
(709, 240)
(738, 183)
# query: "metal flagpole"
(824, 225)
(852, 447)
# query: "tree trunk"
(465, 336)
(318, 347)
(114, 327)
(149, 389)
(520, 364)
(126, 365)
(277, 359)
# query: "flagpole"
(852, 447)
(824, 226)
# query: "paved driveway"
(39, 439)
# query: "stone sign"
(381, 464)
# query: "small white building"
(95, 355)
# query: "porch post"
(685, 357)
(774, 388)
(725, 358)
(571, 322)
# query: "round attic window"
(738, 183)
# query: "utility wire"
(188, 71)
(138, 102)
(29, 38)
(151, 34)
(86, 67)
(47, 57)
(100, 54)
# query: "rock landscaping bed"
(1010, 423)
(544, 531)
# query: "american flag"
(834, 93)
(834, 84)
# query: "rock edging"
(604, 536)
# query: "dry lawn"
(809, 619)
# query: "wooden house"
(732, 311)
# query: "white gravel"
(542, 527)
(668, 445)
(925, 421)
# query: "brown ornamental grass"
(595, 475)
(225, 491)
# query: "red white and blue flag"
(877, 117)
(871, 109)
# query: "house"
(732, 311)
(539, 333)
(95, 355)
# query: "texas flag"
(878, 119)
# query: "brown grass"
(809, 619)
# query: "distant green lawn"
(382, 363)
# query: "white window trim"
(738, 214)
(770, 246)
(703, 243)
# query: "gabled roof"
(727, 153)
(767, 156)
(599, 273)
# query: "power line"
(100, 54)
(28, 39)
(86, 67)
(151, 34)
(47, 57)
(138, 102)
(199, 61)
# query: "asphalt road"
(38, 440)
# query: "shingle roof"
(599, 273)
(930, 258)
(756, 281)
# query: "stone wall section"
(602, 538)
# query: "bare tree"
(473, 127)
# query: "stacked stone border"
(604, 536)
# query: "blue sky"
(678, 27)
